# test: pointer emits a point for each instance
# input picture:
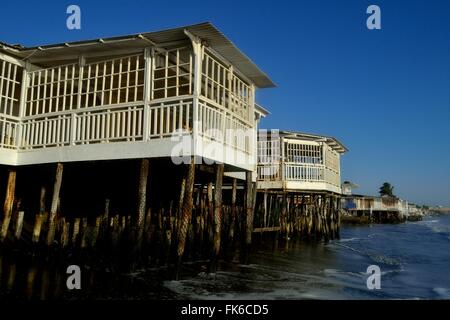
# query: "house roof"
(207, 32)
(331, 141)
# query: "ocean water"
(414, 258)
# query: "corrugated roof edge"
(203, 30)
(312, 135)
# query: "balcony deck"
(139, 100)
(298, 162)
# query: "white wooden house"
(124, 97)
(294, 161)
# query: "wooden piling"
(37, 228)
(19, 224)
(142, 198)
(84, 232)
(54, 205)
(65, 233)
(283, 216)
(233, 208)
(96, 231)
(217, 214)
(8, 204)
(249, 216)
(76, 231)
(186, 213)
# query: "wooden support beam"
(142, 201)
(186, 217)
(249, 212)
(8, 204)
(76, 231)
(65, 233)
(283, 215)
(19, 224)
(233, 208)
(249, 207)
(54, 205)
(217, 214)
(188, 203)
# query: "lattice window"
(114, 81)
(332, 160)
(225, 88)
(240, 97)
(303, 153)
(215, 81)
(52, 90)
(172, 74)
(10, 83)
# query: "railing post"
(148, 85)
(198, 50)
(73, 129)
(283, 173)
(22, 105)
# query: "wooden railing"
(300, 172)
(8, 132)
(221, 125)
(125, 123)
(304, 172)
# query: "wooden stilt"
(8, 204)
(186, 213)
(96, 231)
(217, 215)
(105, 221)
(233, 208)
(283, 216)
(148, 226)
(84, 232)
(65, 233)
(37, 228)
(210, 217)
(142, 201)
(19, 224)
(11, 276)
(54, 205)
(76, 231)
(249, 216)
(31, 275)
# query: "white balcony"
(298, 162)
(138, 101)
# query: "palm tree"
(387, 190)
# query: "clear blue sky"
(385, 93)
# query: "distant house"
(290, 160)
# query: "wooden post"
(8, 204)
(188, 203)
(96, 231)
(54, 206)
(142, 201)
(210, 216)
(283, 215)
(217, 215)
(249, 215)
(105, 220)
(84, 232)
(37, 228)
(19, 224)
(76, 231)
(233, 208)
(65, 233)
